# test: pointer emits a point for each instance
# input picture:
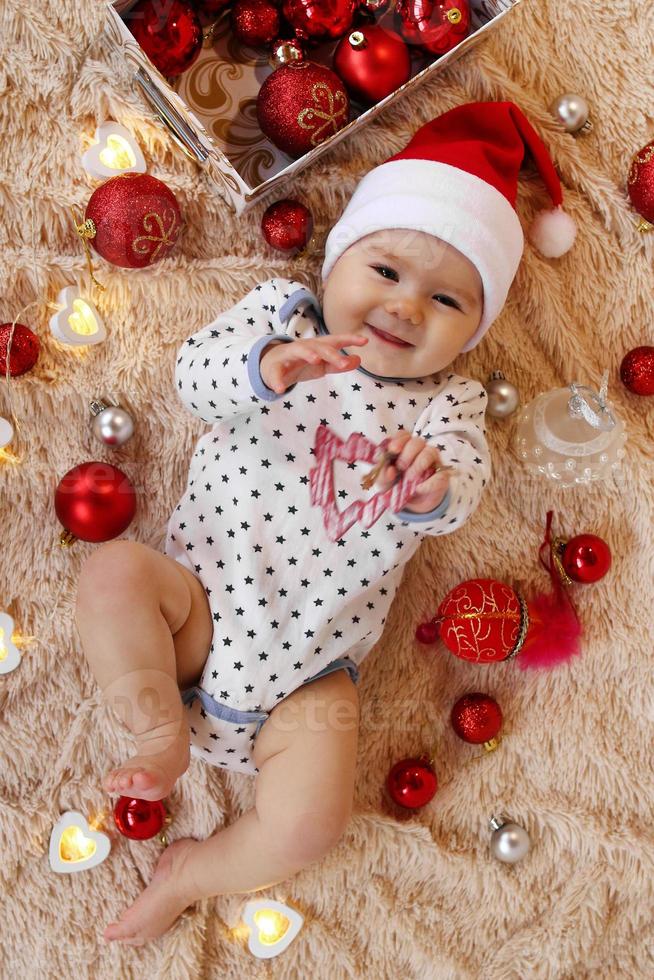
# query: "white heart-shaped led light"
(6, 432)
(74, 846)
(273, 926)
(9, 653)
(78, 323)
(114, 152)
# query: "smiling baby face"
(417, 299)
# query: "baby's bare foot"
(152, 772)
(156, 908)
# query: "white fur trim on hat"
(447, 202)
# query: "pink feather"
(554, 631)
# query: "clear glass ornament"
(571, 435)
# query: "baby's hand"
(283, 364)
(416, 457)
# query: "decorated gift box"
(211, 108)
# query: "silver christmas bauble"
(509, 841)
(572, 111)
(503, 397)
(111, 423)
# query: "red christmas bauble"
(255, 22)
(170, 33)
(25, 347)
(300, 105)
(95, 501)
(136, 220)
(139, 819)
(287, 225)
(412, 782)
(434, 25)
(427, 632)
(637, 370)
(373, 62)
(476, 718)
(319, 19)
(586, 558)
(640, 183)
(482, 620)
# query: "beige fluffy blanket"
(417, 898)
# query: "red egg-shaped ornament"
(637, 370)
(373, 62)
(476, 718)
(436, 26)
(412, 782)
(483, 621)
(586, 558)
(139, 819)
(255, 22)
(640, 182)
(24, 353)
(300, 105)
(135, 219)
(317, 20)
(169, 32)
(287, 225)
(95, 501)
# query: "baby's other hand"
(283, 364)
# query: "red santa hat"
(457, 179)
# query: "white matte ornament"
(78, 323)
(572, 112)
(273, 926)
(74, 846)
(115, 151)
(552, 233)
(9, 653)
(509, 841)
(111, 423)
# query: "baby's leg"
(306, 754)
(145, 626)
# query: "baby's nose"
(406, 308)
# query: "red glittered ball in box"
(301, 105)
(637, 370)
(434, 25)
(412, 782)
(287, 225)
(95, 501)
(139, 819)
(132, 220)
(169, 32)
(477, 718)
(640, 182)
(255, 22)
(25, 347)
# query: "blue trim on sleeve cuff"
(292, 303)
(407, 515)
(260, 389)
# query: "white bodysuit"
(288, 603)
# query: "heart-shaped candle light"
(328, 446)
(273, 926)
(9, 653)
(78, 323)
(115, 151)
(74, 846)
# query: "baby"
(241, 644)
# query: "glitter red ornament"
(483, 620)
(255, 22)
(139, 819)
(24, 353)
(132, 220)
(637, 370)
(434, 25)
(317, 20)
(300, 105)
(586, 558)
(95, 502)
(640, 185)
(287, 225)
(412, 782)
(477, 718)
(373, 62)
(170, 33)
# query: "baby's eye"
(383, 269)
(447, 300)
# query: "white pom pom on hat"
(457, 179)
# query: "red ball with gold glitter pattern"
(287, 225)
(483, 621)
(300, 105)
(318, 20)
(25, 347)
(637, 370)
(640, 183)
(134, 220)
(476, 718)
(434, 25)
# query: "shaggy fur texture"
(417, 897)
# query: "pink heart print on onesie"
(328, 446)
